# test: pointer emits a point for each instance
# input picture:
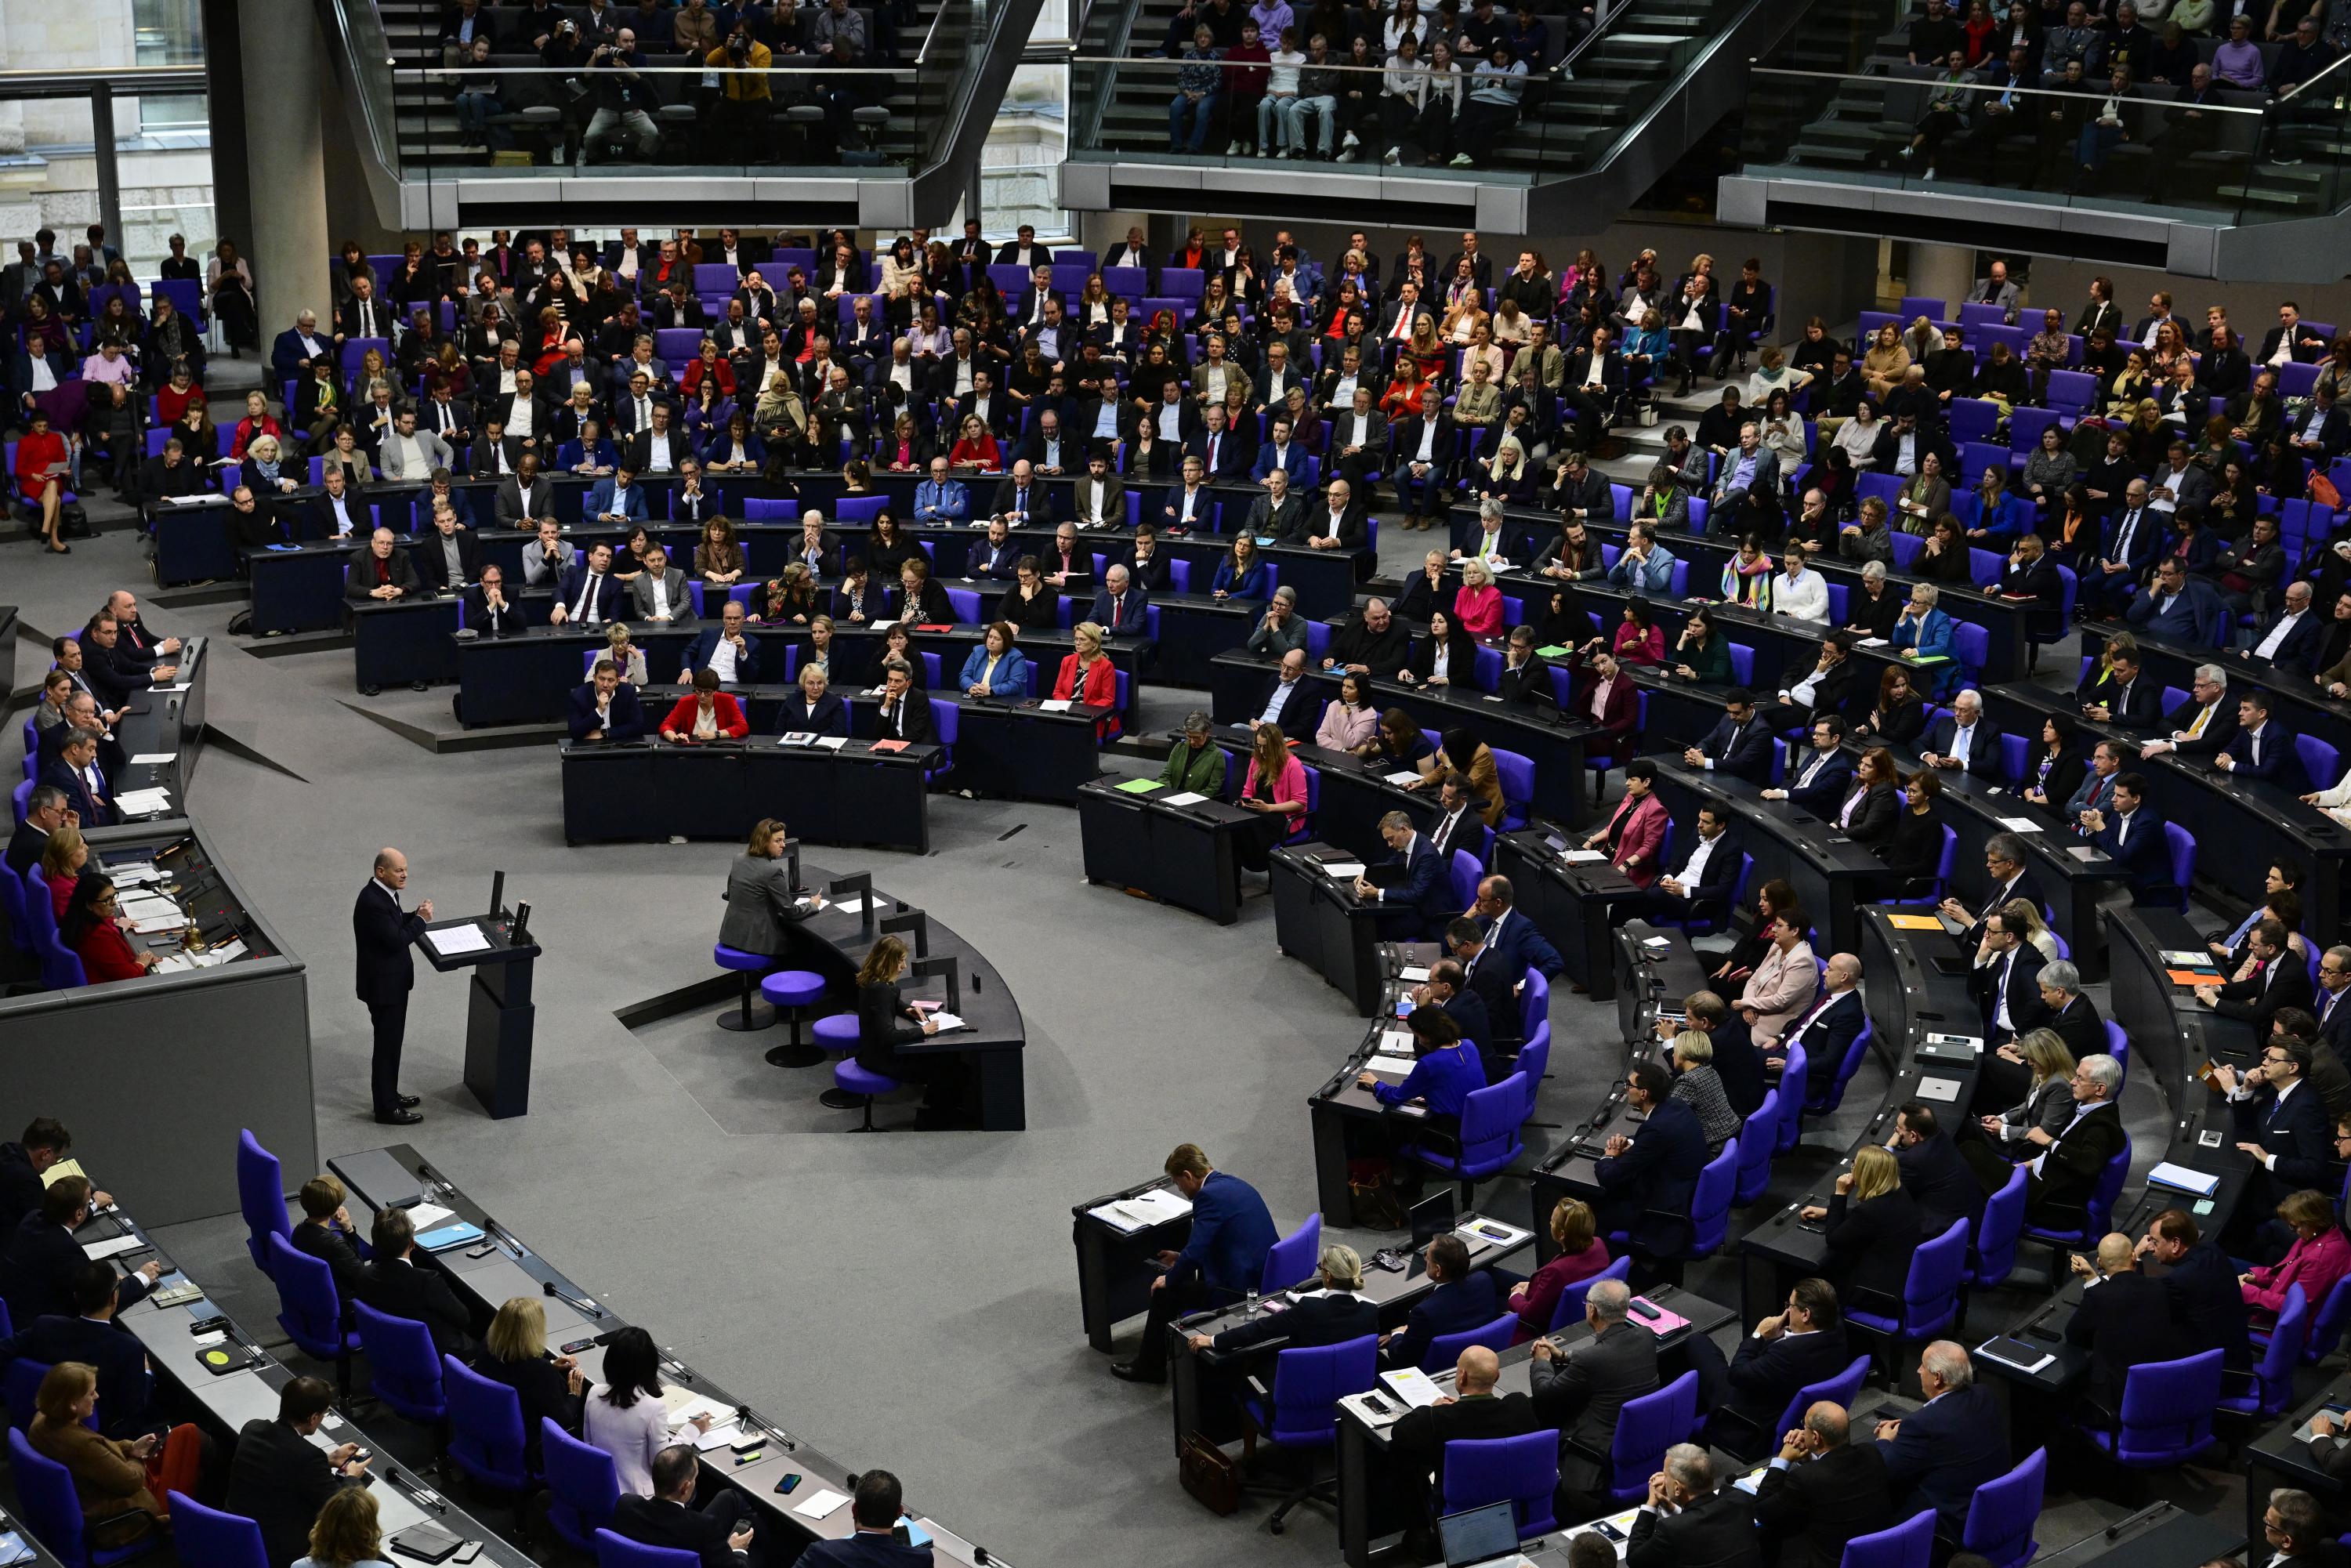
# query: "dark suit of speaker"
(382, 931)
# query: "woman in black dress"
(515, 1352)
(2054, 769)
(885, 1023)
(1915, 849)
(1899, 716)
(1873, 1225)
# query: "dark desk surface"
(2307, 707)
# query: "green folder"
(1554, 652)
(1139, 786)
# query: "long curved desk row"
(2299, 702)
(400, 1177)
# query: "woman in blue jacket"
(1923, 632)
(996, 668)
(2000, 514)
(1241, 575)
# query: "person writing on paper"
(761, 902)
(716, 1535)
(885, 1023)
(625, 1418)
(879, 1505)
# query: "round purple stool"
(849, 1077)
(791, 990)
(836, 1035)
(750, 966)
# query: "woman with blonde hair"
(1276, 789)
(885, 1023)
(1873, 1225)
(347, 1532)
(515, 1352)
(624, 653)
(2048, 1104)
(113, 1477)
(1086, 677)
(62, 858)
(1582, 1255)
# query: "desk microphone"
(582, 1302)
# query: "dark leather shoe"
(1135, 1372)
(398, 1118)
(409, 1102)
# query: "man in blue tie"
(2332, 1012)
(2097, 791)
(1412, 901)
(76, 772)
(2131, 542)
(941, 501)
(1225, 1258)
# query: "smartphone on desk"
(784, 1488)
(577, 1345)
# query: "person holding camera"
(623, 100)
(738, 120)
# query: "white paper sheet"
(1581, 857)
(831, 742)
(1054, 705)
(1188, 797)
(458, 940)
(1412, 1385)
(2020, 824)
(111, 1246)
(426, 1216)
(819, 1506)
(145, 758)
(1406, 777)
(1397, 1067)
(1416, 973)
(1343, 870)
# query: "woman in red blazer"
(1635, 835)
(708, 713)
(61, 863)
(1087, 677)
(1607, 698)
(88, 929)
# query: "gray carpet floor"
(907, 1301)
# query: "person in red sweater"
(172, 400)
(1247, 64)
(1087, 677)
(39, 450)
(90, 931)
(62, 863)
(706, 712)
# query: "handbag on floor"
(1209, 1474)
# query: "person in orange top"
(1087, 677)
(1276, 788)
(38, 451)
(706, 713)
(90, 931)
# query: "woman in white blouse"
(2334, 802)
(626, 1417)
(1800, 591)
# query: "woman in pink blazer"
(1478, 607)
(1784, 983)
(2320, 1256)
(1275, 790)
(1636, 836)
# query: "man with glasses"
(2280, 978)
(2203, 725)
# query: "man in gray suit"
(1997, 289)
(1582, 1392)
(409, 456)
(546, 557)
(658, 593)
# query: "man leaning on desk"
(1413, 894)
(1224, 1258)
(876, 1508)
(280, 1478)
(605, 708)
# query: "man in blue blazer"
(1964, 738)
(743, 650)
(942, 501)
(1462, 1301)
(996, 558)
(1188, 503)
(91, 1336)
(616, 500)
(2181, 608)
(605, 708)
(589, 594)
(1511, 939)
(1414, 903)
(1817, 782)
(1225, 1258)
(1223, 455)
(1701, 885)
(1739, 744)
(1647, 1184)
(1118, 604)
(1282, 453)
(1936, 1456)
(873, 1543)
(2132, 836)
(2262, 748)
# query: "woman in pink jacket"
(1636, 836)
(2321, 1255)
(1783, 984)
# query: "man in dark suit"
(2132, 836)
(382, 929)
(2066, 1169)
(1964, 738)
(1493, 984)
(1932, 1171)
(1374, 643)
(2006, 989)
(1936, 1456)
(906, 710)
(1583, 1390)
(45, 1139)
(433, 560)
(2262, 748)
(1828, 1028)
(1822, 1491)
(488, 610)
(1333, 1312)
(1411, 898)
(1224, 454)
(2332, 1003)
(1416, 1447)
(42, 1260)
(1708, 1528)
(1701, 885)
(48, 809)
(1447, 990)
(2281, 1123)
(279, 1479)
(1224, 1257)
(87, 793)
(2073, 1017)
(1511, 937)
(719, 1535)
(1817, 781)
(589, 594)
(1802, 1345)
(2291, 642)
(1146, 564)
(2200, 1286)
(1647, 1184)
(2124, 1320)
(1737, 1060)
(1461, 1300)
(1457, 828)
(114, 668)
(524, 496)
(878, 1504)
(326, 1233)
(380, 571)
(91, 1335)
(2280, 979)
(398, 1288)
(1287, 702)
(1739, 745)
(1118, 604)
(2205, 724)
(606, 707)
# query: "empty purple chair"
(2167, 1414)
(1910, 1544)
(1292, 1260)
(1645, 1429)
(2001, 1514)
(1522, 1471)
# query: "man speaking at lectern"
(382, 929)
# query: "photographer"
(738, 120)
(623, 100)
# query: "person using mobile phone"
(876, 1514)
(719, 1533)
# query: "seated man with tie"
(2203, 725)
(1412, 894)
(2280, 978)
(1817, 783)
(1701, 887)
(606, 707)
(2131, 542)
(1827, 1029)
(1288, 703)
(589, 594)
(1460, 825)
(2006, 980)
(1964, 740)
(2262, 748)
(2136, 701)
(1739, 745)
(2180, 608)
(1118, 605)
(905, 711)
(488, 610)
(76, 772)
(2132, 835)
(2068, 1163)
(2097, 791)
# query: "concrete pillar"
(286, 167)
(1944, 272)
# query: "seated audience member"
(2320, 1256)
(719, 1534)
(91, 1335)
(1704, 1525)
(1223, 1260)
(1647, 1184)
(1701, 885)
(110, 1475)
(1195, 763)
(2069, 1163)
(2124, 1320)
(1933, 1171)
(327, 1232)
(42, 1259)
(996, 668)
(605, 708)
(762, 905)
(1334, 1312)
(280, 1480)
(1635, 833)
(1738, 1060)
(2132, 835)
(1697, 1086)
(2200, 1283)
(1781, 987)
(397, 1288)
(1820, 1491)
(514, 1351)
(1937, 1454)
(1998, 1138)
(1873, 1226)
(813, 709)
(1827, 1029)
(1412, 894)
(1583, 1390)
(1446, 1072)
(706, 712)
(347, 1532)
(42, 1144)
(625, 1416)
(1416, 1447)
(1581, 1254)
(1462, 1299)
(1802, 1343)
(873, 1515)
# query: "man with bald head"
(1471, 1410)
(2125, 1320)
(382, 928)
(124, 605)
(1821, 1491)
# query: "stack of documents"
(1188, 797)
(1413, 1386)
(1343, 870)
(144, 802)
(1397, 1067)
(1154, 1207)
(1581, 857)
(458, 940)
(947, 1020)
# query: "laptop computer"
(1479, 1535)
(1432, 1216)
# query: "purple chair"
(22, 1388)
(218, 1539)
(1793, 1078)
(260, 1197)
(1488, 1141)
(2273, 1380)
(582, 1486)
(1570, 1309)
(308, 1309)
(1517, 774)
(2001, 1514)
(1737, 1434)
(1930, 1295)
(1994, 1254)
(1293, 1260)
(1910, 1544)
(1645, 1429)
(2094, 1214)
(1534, 999)
(2167, 1414)
(1757, 1138)
(1830, 1095)
(1300, 1411)
(485, 1431)
(1523, 1471)
(851, 1078)
(1444, 1350)
(746, 1019)
(620, 1552)
(45, 1492)
(11, 908)
(404, 1369)
(1533, 1061)
(2326, 1328)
